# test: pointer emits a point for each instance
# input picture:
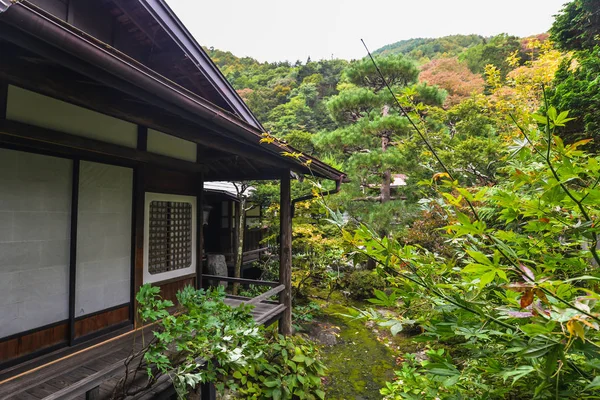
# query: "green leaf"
(517, 373)
(594, 384)
(479, 257)
(396, 328)
(537, 351)
(443, 371)
(538, 329)
(299, 358)
(486, 278)
(272, 383)
(540, 119)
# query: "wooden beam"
(241, 280)
(285, 253)
(3, 98)
(271, 316)
(73, 249)
(127, 9)
(265, 295)
(142, 138)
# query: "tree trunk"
(387, 174)
(240, 224)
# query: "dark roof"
(184, 39)
(169, 104)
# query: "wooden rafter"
(129, 11)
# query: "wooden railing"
(276, 288)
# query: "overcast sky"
(279, 30)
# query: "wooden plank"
(273, 313)
(285, 253)
(41, 391)
(22, 369)
(265, 295)
(92, 381)
(168, 291)
(55, 368)
(94, 323)
(240, 280)
(70, 378)
(29, 342)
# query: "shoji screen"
(103, 237)
(35, 218)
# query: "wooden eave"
(54, 58)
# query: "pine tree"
(368, 128)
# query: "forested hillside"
(429, 48)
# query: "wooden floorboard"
(58, 374)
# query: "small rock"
(326, 338)
(421, 356)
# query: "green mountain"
(419, 48)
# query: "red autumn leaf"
(527, 298)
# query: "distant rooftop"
(224, 187)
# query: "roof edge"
(163, 14)
(190, 106)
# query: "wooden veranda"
(92, 372)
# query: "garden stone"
(216, 265)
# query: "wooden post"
(285, 253)
(93, 394)
(200, 233)
(138, 244)
(73, 249)
(137, 230)
(208, 391)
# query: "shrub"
(361, 284)
(239, 355)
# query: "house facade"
(112, 119)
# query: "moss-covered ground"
(360, 364)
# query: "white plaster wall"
(43, 111)
(103, 237)
(171, 146)
(35, 217)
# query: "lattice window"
(170, 236)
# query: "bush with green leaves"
(361, 284)
(211, 342)
(516, 304)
